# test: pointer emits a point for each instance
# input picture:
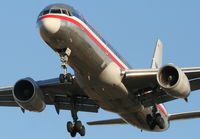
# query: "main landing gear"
(155, 119)
(76, 126)
(64, 62)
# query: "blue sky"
(131, 26)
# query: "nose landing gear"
(65, 77)
(64, 62)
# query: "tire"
(160, 121)
(69, 77)
(150, 122)
(73, 134)
(70, 127)
(78, 125)
(62, 78)
(82, 131)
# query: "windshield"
(55, 11)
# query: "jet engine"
(173, 81)
(28, 95)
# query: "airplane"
(102, 78)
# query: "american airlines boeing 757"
(102, 78)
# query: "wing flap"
(184, 116)
(64, 103)
(107, 122)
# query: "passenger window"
(45, 12)
(56, 11)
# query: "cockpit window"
(45, 12)
(56, 11)
(69, 13)
(64, 12)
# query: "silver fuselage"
(98, 69)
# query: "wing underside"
(139, 81)
(56, 94)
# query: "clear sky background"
(131, 26)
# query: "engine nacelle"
(28, 95)
(173, 81)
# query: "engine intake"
(28, 95)
(173, 81)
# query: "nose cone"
(50, 25)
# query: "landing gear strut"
(155, 119)
(64, 62)
(76, 126)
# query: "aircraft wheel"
(82, 131)
(78, 126)
(73, 133)
(70, 127)
(62, 78)
(69, 77)
(150, 122)
(160, 121)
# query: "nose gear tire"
(62, 78)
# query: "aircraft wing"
(108, 122)
(55, 93)
(184, 116)
(137, 80)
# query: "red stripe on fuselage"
(88, 33)
(159, 106)
(162, 109)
